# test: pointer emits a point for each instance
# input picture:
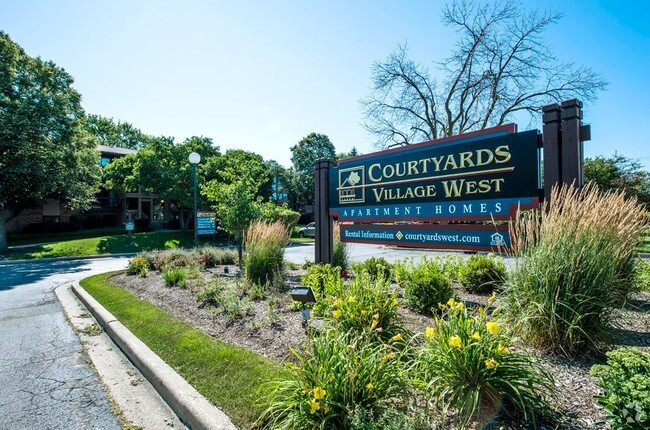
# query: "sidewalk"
(149, 393)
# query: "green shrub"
(483, 274)
(264, 263)
(340, 253)
(138, 265)
(424, 283)
(451, 266)
(468, 368)
(210, 256)
(625, 381)
(366, 306)
(233, 305)
(337, 374)
(271, 213)
(325, 281)
(642, 275)
(211, 294)
(175, 277)
(375, 267)
(573, 260)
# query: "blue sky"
(260, 75)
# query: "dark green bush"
(625, 380)
(483, 274)
(425, 284)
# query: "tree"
(500, 66)
(45, 149)
(619, 173)
(121, 134)
(239, 165)
(305, 153)
(162, 167)
(236, 207)
(352, 153)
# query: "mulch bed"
(271, 331)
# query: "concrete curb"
(49, 260)
(190, 406)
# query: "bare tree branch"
(500, 66)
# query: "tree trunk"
(183, 221)
(3, 231)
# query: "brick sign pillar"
(563, 134)
(324, 241)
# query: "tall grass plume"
(573, 260)
(265, 242)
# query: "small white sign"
(130, 226)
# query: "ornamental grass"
(265, 242)
(573, 261)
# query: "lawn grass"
(27, 239)
(115, 244)
(230, 377)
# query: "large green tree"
(500, 66)
(304, 155)
(120, 134)
(45, 148)
(618, 172)
(162, 167)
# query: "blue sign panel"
(479, 176)
(463, 237)
(206, 223)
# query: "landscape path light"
(303, 295)
(194, 160)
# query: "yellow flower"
(319, 393)
(396, 338)
(430, 332)
(351, 299)
(491, 363)
(476, 336)
(390, 356)
(338, 303)
(455, 342)
(314, 405)
(451, 303)
(336, 314)
(492, 327)
(459, 307)
(502, 349)
(369, 386)
(492, 298)
(395, 302)
(364, 312)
